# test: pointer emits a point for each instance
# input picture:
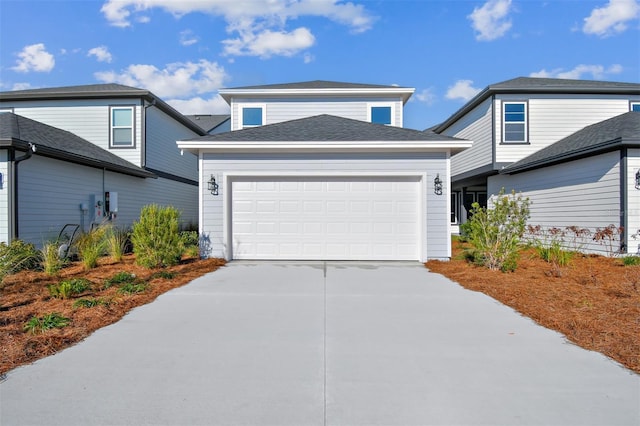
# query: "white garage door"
(343, 218)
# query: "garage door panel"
(326, 218)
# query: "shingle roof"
(614, 133)
(98, 91)
(531, 85)
(325, 128)
(208, 122)
(318, 84)
(18, 131)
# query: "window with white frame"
(381, 114)
(122, 127)
(252, 116)
(634, 106)
(514, 122)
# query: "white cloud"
(21, 86)
(269, 43)
(611, 18)
(187, 38)
(491, 21)
(101, 53)
(426, 96)
(597, 72)
(308, 58)
(34, 58)
(257, 27)
(462, 89)
(175, 80)
(199, 105)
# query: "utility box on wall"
(97, 208)
(111, 202)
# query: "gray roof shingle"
(531, 85)
(208, 122)
(614, 133)
(317, 84)
(18, 131)
(325, 128)
(98, 91)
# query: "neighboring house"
(83, 154)
(212, 123)
(571, 146)
(323, 171)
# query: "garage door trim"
(228, 178)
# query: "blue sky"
(184, 51)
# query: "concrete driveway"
(316, 344)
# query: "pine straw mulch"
(25, 295)
(594, 302)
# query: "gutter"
(14, 193)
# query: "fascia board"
(404, 92)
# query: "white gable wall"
(163, 153)
(583, 193)
(212, 208)
(285, 109)
(88, 119)
(554, 117)
(475, 126)
(50, 193)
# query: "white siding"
(51, 191)
(5, 194)
(436, 217)
(584, 193)
(284, 109)
(552, 118)
(633, 216)
(475, 126)
(162, 153)
(88, 119)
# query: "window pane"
(381, 115)
(514, 108)
(122, 137)
(122, 117)
(514, 132)
(512, 116)
(252, 116)
(635, 107)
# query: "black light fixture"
(437, 185)
(638, 179)
(212, 186)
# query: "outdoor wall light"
(212, 186)
(638, 179)
(437, 185)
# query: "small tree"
(495, 232)
(156, 237)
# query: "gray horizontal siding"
(436, 220)
(584, 193)
(475, 126)
(633, 216)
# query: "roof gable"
(614, 133)
(17, 131)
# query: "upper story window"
(252, 116)
(634, 106)
(381, 114)
(121, 127)
(514, 122)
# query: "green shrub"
(631, 260)
(167, 275)
(50, 257)
(119, 278)
(89, 303)
(495, 232)
(132, 287)
(118, 239)
(156, 240)
(91, 246)
(46, 322)
(17, 256)
(67, 288)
